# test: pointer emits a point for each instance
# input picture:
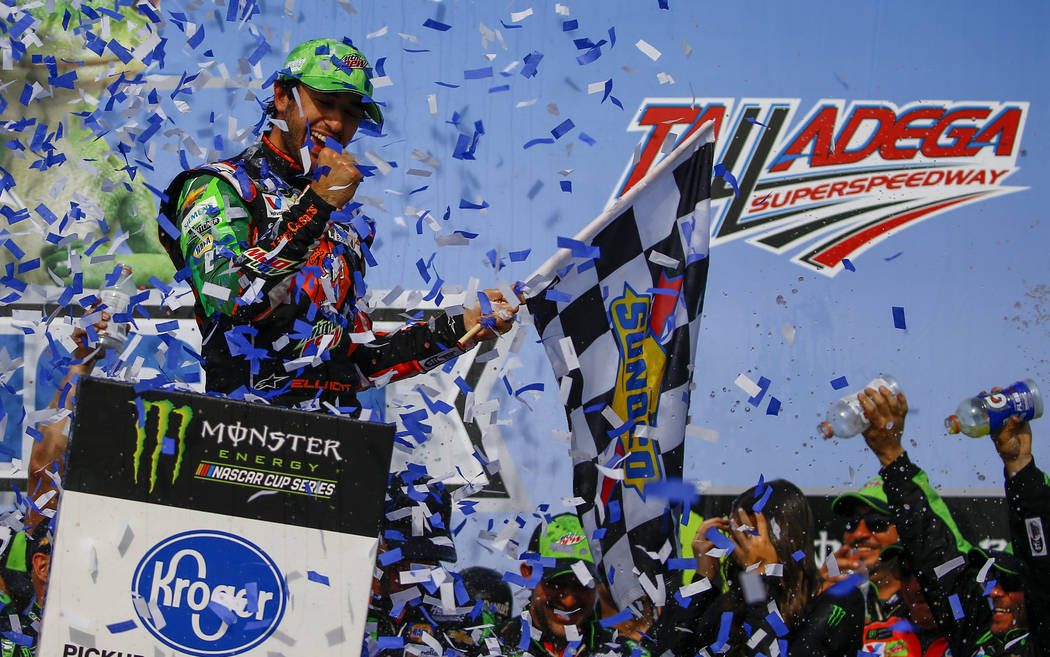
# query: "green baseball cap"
(563, 539)
(870, 494)
(331, 66)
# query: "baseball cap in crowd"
(870, 494)
(39, 540)
(487, 585)
(416, 518)
(564, 540)
(1007, 569)
(328, 65)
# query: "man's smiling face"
(314, 117)
(560, 601)
(869, 533)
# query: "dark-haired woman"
(765, 598)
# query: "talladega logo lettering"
(208, 593)
(844, 177)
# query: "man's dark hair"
(287, 86)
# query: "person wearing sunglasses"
(1028, 513)
(956, 580)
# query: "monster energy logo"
(837, 614)
(165, 409)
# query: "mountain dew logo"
(153, 436)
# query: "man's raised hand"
(339, 183)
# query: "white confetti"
(569, 354)
(788, 331)
(378, 33)
(658, 258)
(561, 9)
(949, 566)
(517, 16)
(432, 104)
(693, 588)
(747, 385)
(662, 78)
(648, 50)
(703, 433)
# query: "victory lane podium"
(198, 525)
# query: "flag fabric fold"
(618, 311)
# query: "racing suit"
(931, 540)
(1028, 496)
(277, 273)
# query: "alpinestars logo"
(846, 176)
(152, 434)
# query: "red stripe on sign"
(834, 254)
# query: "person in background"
(414, 541)
(1028, 513)
(19, 628)
(561, 618)
(954, 579)
(47, 456)
(767, 596)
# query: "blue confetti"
(318, 577)
(436, 25)
(167, 446)
(570, 25)
(839, 383)
(720, 171)
(724, 627)
(558, 296)
(720, 540)
(124, 626)
(566, 185)
(798, 555)
(563, 128)
(761, 503)
(957, 608)
(390, 556)
(777, 623)
(477, 73)
(533, 142)
(774, 406)
(847, 264)
(616, 619)
(894, 256)
(898, 318)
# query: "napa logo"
(639, 376)
(208, 593)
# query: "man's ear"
(526, 571)
(41, 564)
(282, 99)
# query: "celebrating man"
(275, 251)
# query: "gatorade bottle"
(845, 418)
(978, 416)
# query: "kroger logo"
(208, 593)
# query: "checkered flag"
(618, 309)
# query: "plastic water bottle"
(845, 418)
(978, 416)
(117, 298)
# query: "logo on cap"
(570, 539)
(355, 60)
